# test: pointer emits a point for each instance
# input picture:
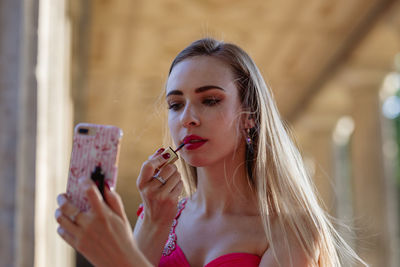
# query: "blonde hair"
(275, 168)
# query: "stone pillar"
(370, 207)
(34, 139)
(18, 46)
(54, 131)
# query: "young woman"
(249, 200)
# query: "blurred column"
(370, 205)
(18, 92)
(33, 138)
(54, 128)
(389, 90)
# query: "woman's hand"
(159, 200)
(160, 203)
(102, 234)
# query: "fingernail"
(61, 200)
(61, 231)
(57, 213)
(166, 156)
(107, 184)
(160, 150)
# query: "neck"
(224, 188)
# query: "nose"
(189, 117)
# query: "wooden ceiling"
(296, 44)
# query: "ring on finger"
(73, 216)
(159, 178)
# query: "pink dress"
(173, 255)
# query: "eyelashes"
(209, 102)
(174, 106)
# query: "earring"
(248, 138)
(249, 154)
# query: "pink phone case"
(94, 154)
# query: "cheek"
(227, 126)
(172, 125)
(228, 119)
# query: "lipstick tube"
(172, 156)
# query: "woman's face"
(204, 110)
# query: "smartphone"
(95, 151)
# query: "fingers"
(70, 239)
(149, 168)
(93, 195)
(65, 222)
(148, 185)
(70, 214)
(67, 208)
(158, 152)
(172, 181)
(165, 172)
(115, 203)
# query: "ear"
(248, 121)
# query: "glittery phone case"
(95, 152)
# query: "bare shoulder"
(289, 251)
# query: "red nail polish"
(108, 186)
(166, 156)
(160, 150)
(140, 209)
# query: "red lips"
(193, 142)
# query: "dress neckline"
(172, 246)
(222, 258)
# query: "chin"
(196, 162)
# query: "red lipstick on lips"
(193, 142)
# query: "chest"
(203, 240)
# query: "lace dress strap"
(171, 242)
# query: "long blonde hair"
(275, 168)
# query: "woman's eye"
(211, 101)
(174, 106)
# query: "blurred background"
(333, 66)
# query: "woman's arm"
(159, 206)
(150, 240)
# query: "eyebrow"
(197, 90)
